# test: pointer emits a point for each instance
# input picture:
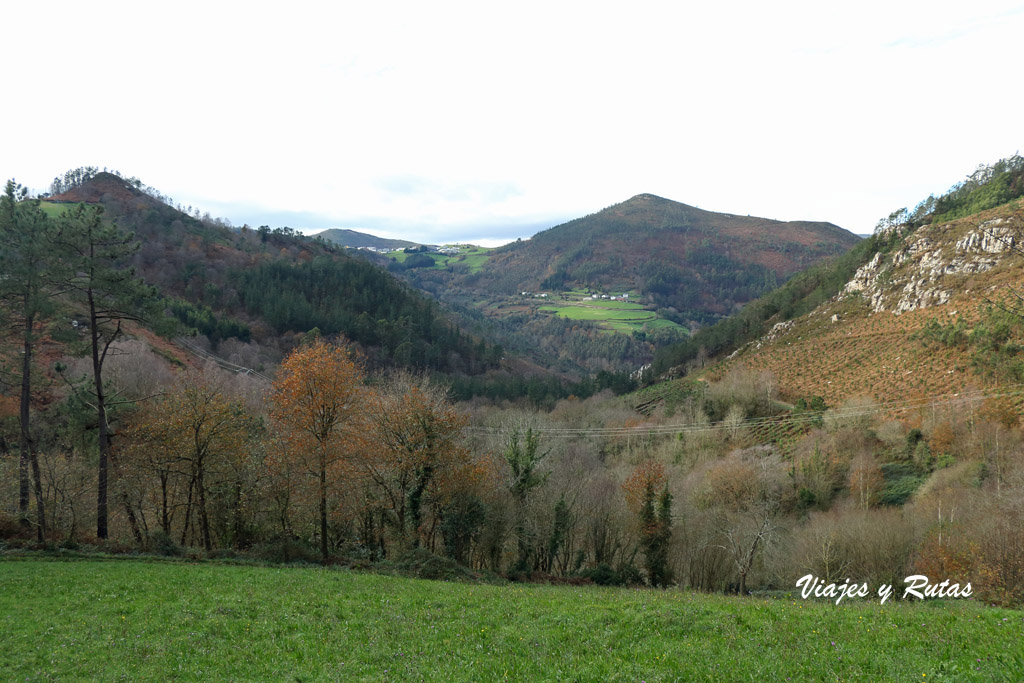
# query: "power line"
(220, 362)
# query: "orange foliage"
(941, 441)
(732, 484)
(193, 432)
(416, 455)
(940, 557)
(649, 473)
(1000, 412)
(319, 403)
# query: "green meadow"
(54, 209)
(156, 620)
(617, 316)
(470, 256)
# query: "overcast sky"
(477, 121)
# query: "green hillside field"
(138, 620)
(470, 256)
(616, 316)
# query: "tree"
(417, 457)
(190, 434)
(99, 277)
(748, 493)
(523, 455)
(28, 266)
(866, 481)
(319, 400)
(654, 513)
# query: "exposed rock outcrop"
(912, 277)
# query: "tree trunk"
(133, 521)
(101, 418)
(238, 516)
(25, 436)
(28, 454)
(204, 519)
(188, 510)
(323, 512)
(165, 519)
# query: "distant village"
(589, 297)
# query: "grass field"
(129, 619)
(617, 316)
(53, 209)
(471, 256)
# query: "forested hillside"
(681, 268)
(273, 285)
(696, 265)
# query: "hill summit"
(697, 265)
(100, 188)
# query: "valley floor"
(108, 620)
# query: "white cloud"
(430, 118)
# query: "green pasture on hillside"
(617, 316)
(136, 620)
(470, 256)
(54, 209)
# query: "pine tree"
(28, 267)
(96, 254)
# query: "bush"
(10, 528)
(162, 544)
(284, 550)
(422, 564)
(604, 575)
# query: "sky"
(482, 122)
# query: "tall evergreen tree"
(96, 253)
(28, 267)
(656, 534)
(524, 457)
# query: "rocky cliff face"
(924, 271)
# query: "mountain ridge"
(354, 239)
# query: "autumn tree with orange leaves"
(417, 457)
(319, 403)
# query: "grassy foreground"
(134, 620)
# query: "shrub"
(283, 550)
(423, 564)
(162, 544)
(604, 575)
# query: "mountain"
(106, 188)
(698, 262)
(355, 240)
(270, 287)
(923, 319)
(681, 267)
(930, 305)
